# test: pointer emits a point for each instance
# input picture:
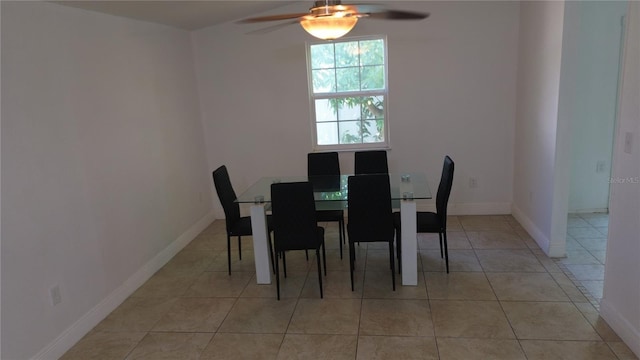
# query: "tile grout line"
(578, 284)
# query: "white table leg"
(260, 244)
(409, 243)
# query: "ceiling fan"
(330, 19)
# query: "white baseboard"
(622, 326)
(470, 208)
(478, 209)
(535, 233)
(88, 321)
(589, 211)
(557, 251)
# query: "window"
(348, 91)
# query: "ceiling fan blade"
(375, 11)
(272, 18)
(271, 28)
(397, 15)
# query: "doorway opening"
(597, 44)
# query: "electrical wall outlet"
(473, 182)
(628, 142)
(56, 296)
(601, 166)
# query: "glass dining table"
(330, 192)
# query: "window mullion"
(335, 69)
(347, 94)
(351, 112)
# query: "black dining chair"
(325, 167)
(370, 215)
(236, 225)
(371, 162)
(295, 226)
(430, 222)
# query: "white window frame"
(312, 97)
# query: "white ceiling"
(188, 15)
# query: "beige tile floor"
(504, 299)
(586, 252)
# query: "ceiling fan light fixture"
(330, 19)
(329, 27)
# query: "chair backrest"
(323, 170)
(226, 195)
(444, 190)
(293, 216)
(371, 162)
(370, 213)
(326, 163)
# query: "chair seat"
(242, 227)
(329, 215)
(427, 222)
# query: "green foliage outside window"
(348, 79)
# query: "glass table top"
(334, 188)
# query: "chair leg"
(229, 253)
(344, 233)
(240, 247)
(399, 250)
(273, 266)
(306, 254)
(351, 261)
(320, 270)
(340, 235)
(277, 278)
(440, 236)
(393, 270)
(284, 263)
(446, 250)
(324, 259)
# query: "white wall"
(452, 90)
(540, 49)
(103, 166)
(620, 305)
(0, 197)
(590, 105)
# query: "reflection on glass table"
(330, 192)
(334, 188)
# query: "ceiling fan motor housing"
(331, 7)
(320, 3)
